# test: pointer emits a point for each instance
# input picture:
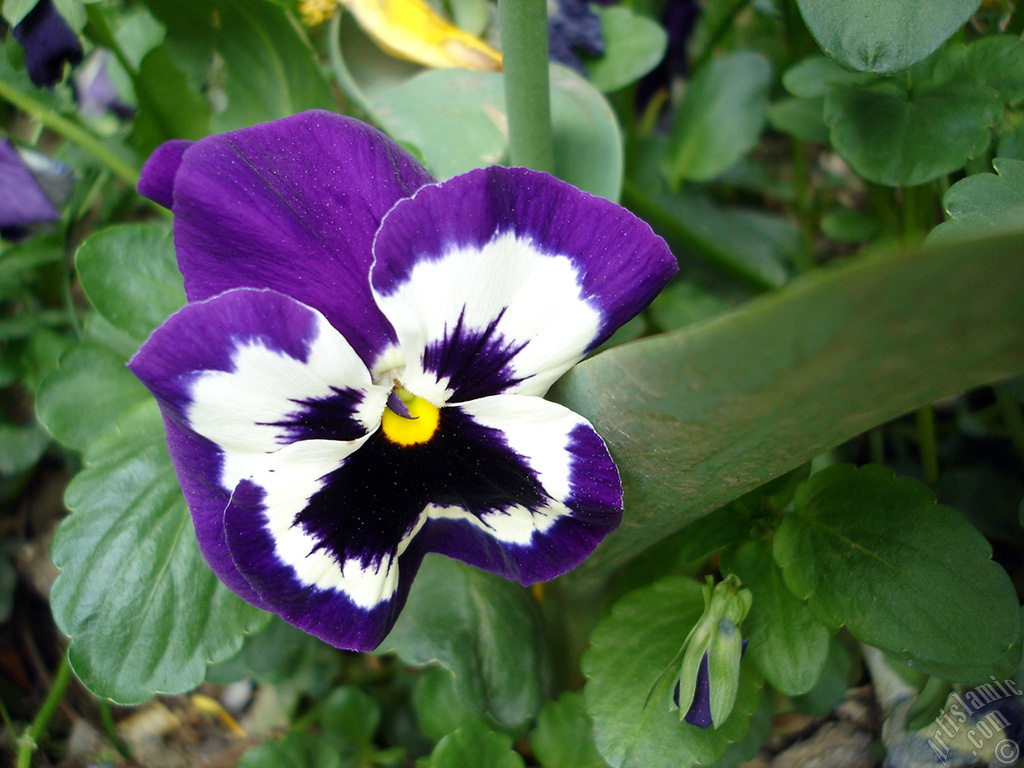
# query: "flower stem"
(524, 43)
(70, 131)
(342, 75)
(28, 741)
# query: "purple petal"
(291, 205)
(699, 713)
(331, 540)
(48, 42)
(325, 610)
(539, 491)
(240, 377)
(22, 200)
(157, 178)
(501, 279)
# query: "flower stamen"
(416, 425)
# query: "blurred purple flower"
(679, 19)
(572, 27)
(22, 199)
(48, 42)
(95, 91)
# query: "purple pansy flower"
(357, 378)
(23, 201)
(48, 42)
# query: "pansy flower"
(48, 42)
(357, 378)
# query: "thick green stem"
(70, 131)
(524, 44)
(28, 741)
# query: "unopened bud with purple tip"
(708, 679)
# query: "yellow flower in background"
(411, 30)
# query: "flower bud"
(705, 688)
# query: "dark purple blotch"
(48, 42)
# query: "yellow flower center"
(415, 430)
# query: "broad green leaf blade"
(788, 644)
(439, 710)
(144, 612)
(271, 69)
(697, 417)
(130, 274)
(891, 137)
(984, 202)
(720, 117)
(16, 10)
(475, 747)
(82, 400)
(21, 447)
(998, 61)
(634, 44)
(349, 715)
(484, 630)
(456, 119)
(564, 735)
(629, 650)
(883, 35)
(168, 107)
(877, 554)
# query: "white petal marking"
(539, 292)
(237, 409)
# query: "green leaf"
(16, 10)
(998, 61)
(439, 709)
(296, 750)
(984, 202)
(730, 238)
(563, 737)
(456, 119)
(697, 417)
(629, 650)
(168, 107)
(634, 45)
(800, 118)
(719, 118)
(130, 274)
(271, 71)
(877, 554)
(351, 716)
(891, 136)
(21, 447)
(831, 685)
(788, 644)
(883, 35)
(484, 630)
(82, 400)
(811, 77)
(475, 747)
(144, 612)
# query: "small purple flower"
(573, 27)
(48, 42)
(358, 377)
(23, 202)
